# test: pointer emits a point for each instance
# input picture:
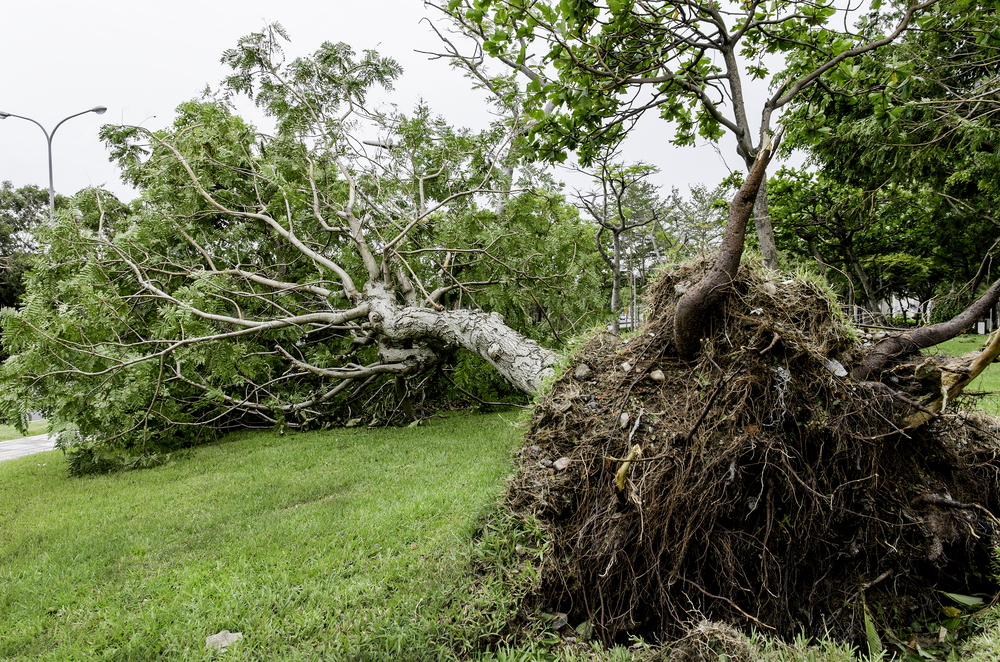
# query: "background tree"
(21, 210)
(624, 202)
(596, 68)
(698, 220)
(905, 140)
(876, 247)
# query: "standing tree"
(875, 246)
(622, 205)
(905, 141)
(595, 68)
(697, 222)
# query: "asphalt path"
(26, 446)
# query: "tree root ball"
(760, 488)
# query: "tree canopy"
(596, 68)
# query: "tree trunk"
(765, 233)
(814, 249)
(521, 361)
(616, 283)
(694, 306)
(871, 303)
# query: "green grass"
(8, 432)
(988, 382)
(322, 545)
(340, 545)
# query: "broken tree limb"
(953, 383)
(889, 350)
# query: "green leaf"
(964, 600)
(875, 648)
(927, 21)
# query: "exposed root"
(768, 489)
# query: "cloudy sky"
(141, 59)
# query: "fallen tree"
(724, 463)
(327, 274)
(758, 483)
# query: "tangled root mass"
(765, 487)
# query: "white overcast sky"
(141, 59)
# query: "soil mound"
(758, 485)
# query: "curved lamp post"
(100, 110)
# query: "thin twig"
(727, 601)
(883, 576)
(774, 341)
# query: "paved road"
(26, 446)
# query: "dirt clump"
(758, 485)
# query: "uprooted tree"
(723, 463)
(283, 281)
(721, 460)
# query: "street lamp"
(100, 110)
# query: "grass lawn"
(988, 382)
(339, 545)
(8, 432)
(320, 545)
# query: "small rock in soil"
(222, 640)
(834, 366)
(583, 372)
(561, 463)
